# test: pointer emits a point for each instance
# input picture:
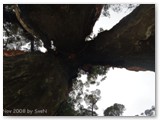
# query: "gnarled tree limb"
(131, 43)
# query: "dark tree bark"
(36, 81)
(66, 25)
(42, 81)
(129, 44)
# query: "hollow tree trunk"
(36, 81)
(40, 81)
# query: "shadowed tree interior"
(37, 80)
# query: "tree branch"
(129, 44)
(66, 25)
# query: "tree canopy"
(115, 110)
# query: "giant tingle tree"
(36, 80)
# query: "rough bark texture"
(35, 81)
(41, 81)
(129, 44)
(66, 25)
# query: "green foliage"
(95, 71)
(148, 112)
(80, 94)
(92, 73)
(115, 110)
(117, 8)
(8, 13)
(86, 112)
(100, 30)
(76, 94)
(91, 99)
(67, 108)
(14, 36)
(12, 32)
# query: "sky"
(141, 84)
(135, 90)
(108, 22)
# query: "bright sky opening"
(135, 90)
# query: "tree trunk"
(66, 25)
(129, 44)
(36, 81)
(32, 39)
(92, 109)
(42, 81)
